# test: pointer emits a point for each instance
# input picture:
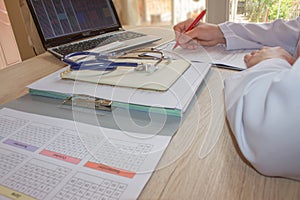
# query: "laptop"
(67, 26)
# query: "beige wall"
(217, 11)
(128, 11)
(9, 53)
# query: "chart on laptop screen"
(63, 17)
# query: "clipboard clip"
(85, 101)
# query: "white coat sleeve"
(253, 35)
(263, 110)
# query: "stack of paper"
(174, 101)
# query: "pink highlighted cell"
(59, 156)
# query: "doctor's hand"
(205, 34)
(265, 53)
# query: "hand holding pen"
(192, 33)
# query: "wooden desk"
(15, 78)
(182, 174)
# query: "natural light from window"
(263, 10)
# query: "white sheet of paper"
(214, 55)
(178, 96)
(50, 158)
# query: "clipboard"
(160, 80)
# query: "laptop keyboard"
(93, 43)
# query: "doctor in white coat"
(262, 102)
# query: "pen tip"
(175, 46)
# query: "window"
(158, 12)
(263, 10)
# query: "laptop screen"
(61, 21)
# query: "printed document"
(50, 159)
(218, 55)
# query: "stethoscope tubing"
(100, 62)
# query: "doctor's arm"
(263, 110)
(240, 35)
(256, 35)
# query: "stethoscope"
(102, 62)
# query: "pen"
(224, 66)
(195, 22)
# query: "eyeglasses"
(105, 62)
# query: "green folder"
(62, 96)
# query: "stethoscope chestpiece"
(146, 67)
